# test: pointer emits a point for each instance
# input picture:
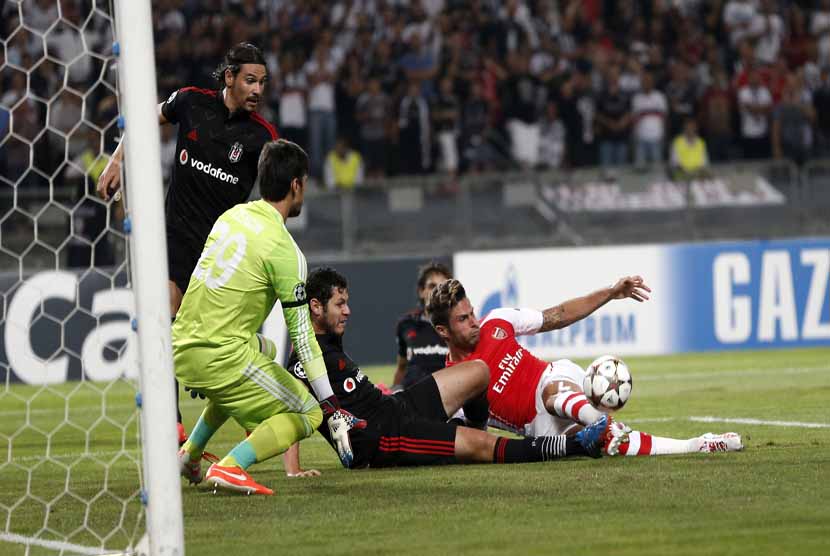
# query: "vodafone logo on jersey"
(208, 169)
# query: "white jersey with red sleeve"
(514, 371)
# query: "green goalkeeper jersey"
(249, 262)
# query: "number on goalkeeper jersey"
(228, 250)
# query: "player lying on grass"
(410, 427)
(249, 262)
(533, 397)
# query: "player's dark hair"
(432, 267)
(444, 297)
(242, 53)
(280, 163)
(320, 283)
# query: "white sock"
(643, 444)
(575, 406)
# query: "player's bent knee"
(481, 372)
(314, 416)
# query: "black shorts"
(411, 430)
(182, 257)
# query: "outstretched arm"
(291, 462)
(578, 308)
(110, 180)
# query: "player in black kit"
(219, 140)
(421, 351)
(410, 427)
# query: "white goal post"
(137, 77)
(87, 399)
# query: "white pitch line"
(55, 545)
(737, 420)
(742, 421)
(729, 374)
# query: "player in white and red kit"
(533, 397)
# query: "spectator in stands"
(322, 117)
(577, 109)
(552, 146)
(479, 154)
(716, 116)
(821, 102)
(613, 122)
(792, 126)
(767, 31)
(650, 109)
(755, 102)
(350, 84)
(415, 131)
(524, 101)
(419, 63)
(689, 159)
(293, 93)
(737, 19)
(681, 93)
(373, 112)
(88, 245)
(446, 114)
(344, 167)
(820, 28)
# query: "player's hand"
(110, 181)
(340, 422)
(302, 473)
(194, 393)
(630, 286)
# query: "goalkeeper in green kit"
(248, 263)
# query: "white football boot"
(617, 435)
(726, 442)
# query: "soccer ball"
(608, 383)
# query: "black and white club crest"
(236, 153)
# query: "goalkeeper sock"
(576, 407)
(642, 444)
(209, 422)
(271, 437)
(243, 455)
(540, 448)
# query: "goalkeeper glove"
(340, 422)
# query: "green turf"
(770, 499)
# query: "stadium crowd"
(388, 87)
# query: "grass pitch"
(770, 499)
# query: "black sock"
(476, 412)
(540, 448)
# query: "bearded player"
(219, 141)
(536, 398)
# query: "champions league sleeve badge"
(236, 153)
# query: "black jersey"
(409, 428)
(216, 161)
(421, 346)
(353, 389)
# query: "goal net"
(73, 478)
